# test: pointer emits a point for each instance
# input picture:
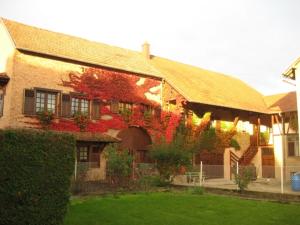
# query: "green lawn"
(179, 209)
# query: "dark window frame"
(122, 106)
(80, 100)
(45, 91)
(46, 100)
(291, 146)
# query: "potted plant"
(81, 120)
(45, 118)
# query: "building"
(119, 95)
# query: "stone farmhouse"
(136, 98)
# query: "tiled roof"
(195, 84)
(50, 43)
(93, 137)
(207, 87)
(284, 102)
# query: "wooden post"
(258, 132)
(235, 122)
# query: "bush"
(208, 140)
(170, 158)
(45, 118)
(36, 169)
(243, 179)
(119, 165)
(234, 144)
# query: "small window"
(45, 101)
(96, 106)
(293, 145)
(79, 105)
(125, 107)
(83, 154)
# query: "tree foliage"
(170, 157)
(119, 165)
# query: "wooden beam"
(235, 122)
(278, 124)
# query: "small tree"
(169, 158)
(243, 178)
(119, 165)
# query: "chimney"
(146, 50)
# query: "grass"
(179, 209)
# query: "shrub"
(208, 140)
(119, 165)
(243, 179)
(36, 169)
(264, 138)
(235, 144)
(170, 158)
(45, 118)
(81, 120)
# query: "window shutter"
(29, 107)
(114, 107)
(65, 105)
(96, 109)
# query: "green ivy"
(36, 169)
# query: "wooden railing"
(233, 162)
(248, 155)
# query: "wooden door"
(268, 163)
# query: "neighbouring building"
(134, 98)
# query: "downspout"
(283, 138)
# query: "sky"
(253, 40)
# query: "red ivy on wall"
(106, 85)
(111, 85)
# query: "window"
(83, 154)
(293, 145)
(45, 101)
(125, 107)
(96, 107)
(79, 105)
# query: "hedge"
(36, 169)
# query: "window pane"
(40, 102)
(51, 102)
(293, 145)
(74, 106)
(83, 154)
(84, 106)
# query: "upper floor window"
(125, 107)
(45, 101)
(39, 101)
(79, 105)
(293, 145)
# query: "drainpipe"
(282, 176)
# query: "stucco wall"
(33, 71)
(7, 52)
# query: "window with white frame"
(293, 145)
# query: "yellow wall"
(33, 71)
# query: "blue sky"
(253, 40)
